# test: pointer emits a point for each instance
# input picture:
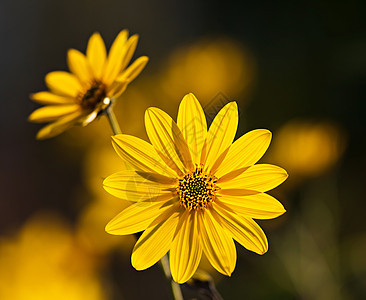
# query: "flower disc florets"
(93, 96)
(196, 190)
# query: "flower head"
(195, 191)
(95, 79)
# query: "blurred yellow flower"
(80, 96)
(208, 67)
(194, 190)
(44, 261)
(308, 148)
(99, 161)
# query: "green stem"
(177, 293)
(112, 120)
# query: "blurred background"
(297, 68)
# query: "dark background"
(309, 63)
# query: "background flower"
(46, 261)
(95, 80)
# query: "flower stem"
(112, 120)
(177, 293)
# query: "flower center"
(196, 190)
(94, 96)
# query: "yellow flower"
(80, 96)
(194, 190)
(44, 260)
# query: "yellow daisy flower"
(194, 190)
(80, 96)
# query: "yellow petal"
(50, 98)
(88, 118)
(156, 240)
(243, 230)
(218, 246)
(116, 89)
(131, 186)
(130, 46)
(115, 58)
(236, 192)
(168, 140)
(186, 251)
(220, 136)
(258, 206)
(192, 123)
(140, 154)
(245, 151)
(59, 126)
(79, 65)
(96, 54)
(133, 70)
(137, 217)
(52, 112)
(63, 83)
(260, 178)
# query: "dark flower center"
(196, 190)
(94, 96)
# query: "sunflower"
(194, 191)
(95, 79)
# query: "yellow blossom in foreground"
(80, 96)
(194, 190)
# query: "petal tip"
(71, 50)
(150, 112)
(32, 96)
(30, 118)
(233, 103)
(41, 135)
(107, 228)
(135, 263)
(264, 251)
(267, 132)
(95, 33)
(110, 229)
(144, 58)
(134, 38)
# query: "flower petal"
(192, 123)
(168, 140)
(137, 217)
(244, 230)
(50, 98)
(130, 46)
(260, 178)
(52, 112)
(133, 70)
(220, 135)
(245, 151)
(96, 54)
(132, 186)
(115, 58)
(140, 154)
(186, 251)
(59, 126)
(257, 206)
(79, 65)
(63, 83)
(116, 89)
(218, 246)
(156, 240)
